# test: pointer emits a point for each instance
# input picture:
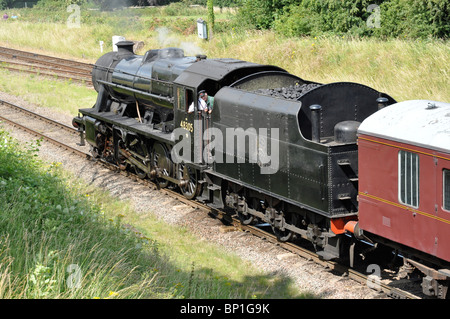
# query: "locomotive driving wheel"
(139, 172)
(189, 184)
(162, 165)
(141, 154)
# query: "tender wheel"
(242, 211)
(278, 221)
(283, 235)
(161, 163)
(188, 177)
(246, 218)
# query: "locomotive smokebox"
(345, 132)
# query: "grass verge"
(62, 96)
(60, 238)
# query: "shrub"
(417, 18)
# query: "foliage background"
(411, 18)
(395, 18)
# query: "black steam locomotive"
(275, 148)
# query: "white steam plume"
(165, 39)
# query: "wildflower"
(178, 285)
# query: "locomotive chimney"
(382, 102)
(315, 122)
(125, 47)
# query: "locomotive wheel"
(121, 160)
(284, 235)
(161, 161)
(140, 173)
(246, 218)
(94, 152)
(189, 186)
(137, 146)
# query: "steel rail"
(65, 127)
(88, 82)
(45, 137)
(19, 54)
(51, 68)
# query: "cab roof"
(225, 71)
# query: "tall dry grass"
(404, 69)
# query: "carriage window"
(408, 178)
(446, 189)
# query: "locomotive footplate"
(129, 124)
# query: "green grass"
(57, 233)
(63, 96)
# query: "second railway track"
(50, 130)
(28, 62)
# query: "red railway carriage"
(404, 176)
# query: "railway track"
(28, 62)
(52, 131)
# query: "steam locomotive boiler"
(276, 148)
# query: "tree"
(210, 6)
(6, 4)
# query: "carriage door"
(442, 209)
(191, 122)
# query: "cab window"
(185, 98)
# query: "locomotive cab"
(210, 75)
